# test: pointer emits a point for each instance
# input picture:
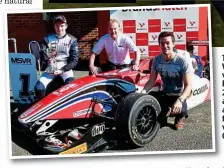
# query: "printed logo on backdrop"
(132, 36)
(143, 51)
(192, 35)
(167, 25)
(156, 9)
(153, 38)
(179, 25)
(153, 50)
(129, 26)
(138, 10)
(142, 26)
(192, 25)
(181, 46)
(154, 25)
(173, 9)
(180, 37)
(141, 39)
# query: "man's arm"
(43, 54)
(188, 71)
(187, 80)
(92, 59)
(133, 48)
(97, 49)
(92, 67)
(187, 86)
(137, 58)
(73, 57)
(177, 106)
(150, 83)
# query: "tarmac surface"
(195, 137)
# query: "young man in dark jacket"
(59, 56)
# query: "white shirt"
(117, 50)
(63, 48)
(183, 53)
(186, 53)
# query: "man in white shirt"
(118, 47)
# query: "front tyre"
(136, 119)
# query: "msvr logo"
(21, 61)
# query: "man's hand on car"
(93, 69)
(58, 72)
(135, 67)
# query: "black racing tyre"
(206, 71)
(136, 119)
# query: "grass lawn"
(217, 23)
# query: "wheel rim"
(145, 121)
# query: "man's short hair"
(166, 34)
(189, 46)
(113, 21)
(59, 18)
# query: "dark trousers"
(57, 82)
(167, 102)
(110, 66)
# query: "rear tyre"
(206, 71)
(136, 119)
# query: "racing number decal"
(25, 78)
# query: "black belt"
(58, 61)
(119, 66)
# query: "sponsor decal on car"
(98, 129)
(30, 110)
(76, 150)
(64, 88)
(200, 90)
(82, 112)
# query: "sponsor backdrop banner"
(23, 76)
(145, 25)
